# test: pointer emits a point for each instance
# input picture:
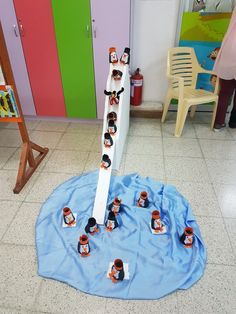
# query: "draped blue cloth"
(158, 264)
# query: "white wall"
(153, 32)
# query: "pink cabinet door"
(36, 26)
(16, 56)
(111, 28)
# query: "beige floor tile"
(7, 184)
(218, 149)
(22, 229)
(168, 130)
(45, 184)
(30, 125)
(17, 311)
(76, 141)
(202, 118)
(144, 145)
(226, 195)
(83, 127)
(233, 133)
(45, 139)
(203, 131)
(5, 154)
(219, 250)
(97, 144)
(201, 197)
(8, 210)
(222, 171)
(57, 297)
(231, 229)
(10, 138)
(54, 126)
(146, 166)
(214, 293)
(167, 304)
(145, 127)
(66, 161)
(19, 280)
(184, 147)
(93, 162)
(186, 169)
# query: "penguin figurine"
(112, 128)
(112, 116)
(187, 237)
(112, 55)
(111, 222)
(117, 75)
(83, 246)
(114, 96)
(106, 161)
(143, 200)
(117, 271)
(68, 216)
(91, 226)
(125, 58)
(156, 223)
(115, 206)
(108, 141)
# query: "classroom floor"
(201, 164)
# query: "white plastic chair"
(182, 72)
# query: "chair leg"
(181, 117)
(214, 114)
(166, 106)
(192, 111)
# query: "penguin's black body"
(111, 222)
(143, 203)
(114, 96)
(125, 58)
(108, 141)
(112, 128)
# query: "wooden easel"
(28, 163)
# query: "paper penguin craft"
(112, 116)
(143, 200)
(68, 217)
(83, 246)
(112, 55)
(112, 128)
(108, 141)
(117, 75)
(115, 206)
(114, 96)
(187, 237)
(111, 222)
(91, 226)
(117, 271)
(125, 56)
(157, 225)
(106, 161)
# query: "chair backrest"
(182, 62)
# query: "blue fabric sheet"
(158, 264)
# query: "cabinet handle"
(16, 31)
(88, 31)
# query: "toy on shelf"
(108, 141)
(112, 116)
(125, 58)
(83, 246)
(115, 206)
(117, 75)
(117, 271)
(143, 200)
(111, 222)
(114, 96)
(112, 55)
(91, 226)
(106, 161)
(69, 219)
(187, 237)
(157, 226)
(112, 128)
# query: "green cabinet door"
(72, 21)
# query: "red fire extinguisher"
(136, 88)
